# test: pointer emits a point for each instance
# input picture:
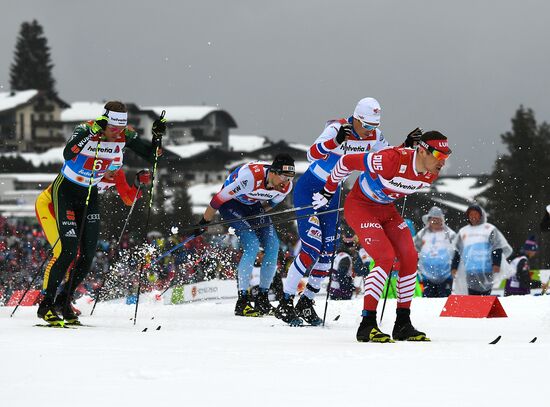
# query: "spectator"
(520, 283)
(480, 249)
(435, 251)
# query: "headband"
(116, 118)
(439, 145)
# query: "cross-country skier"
(115, 177)
(369, 210)
(253, 189)
(357, 134)
(93, 147)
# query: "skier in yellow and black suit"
(115, 177)
(92, 149)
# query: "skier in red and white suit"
(369, 210)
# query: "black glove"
(142, 177)
(99, 125)
(343, 133)
(413, 138)
(159, 129)
(201, 228)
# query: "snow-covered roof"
(191, 149)
(302, 147)
(51, 156)
(9, 100)
(182, 113)
(200, 196)
(465, 187)
(246, 143)
(30, 177)
(450, 204)
(82, 111)
(236, 143)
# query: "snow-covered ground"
(205, 356)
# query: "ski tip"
(337, 317)
(495, 340)
(533, 340)
(144, 330)
(158, 328)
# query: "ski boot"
(304, 309)
(243, 308)
(47, 312)
(368, 330)
(65, 308)
(262, 304)
(285, 311)
(403, 330)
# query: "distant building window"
(177, 134)
(21, 124)
(197, 133)
(190, 176)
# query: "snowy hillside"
(205, 356)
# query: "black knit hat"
(283, 163)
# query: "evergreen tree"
(520, 179)
(32, 66)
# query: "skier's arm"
(384, 163)
(144, 149)
(330, 139)
(242, 184)
(126, 192)
(81, 135)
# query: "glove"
(343, 133)
(142, 177)
(200, 227)
(159, 129)
(99, 125)
(413, 138)
(321, 198)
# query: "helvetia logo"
(102, 149)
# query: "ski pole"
(276, 222)
(250, 217)
(34, 278)
(191, 237)
(153, 174)
(99, 290)
(173, 249)
(338, 221)
(389, 275)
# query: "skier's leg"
(402, 242)
(269, 240)
(64, 204)
(366, 223)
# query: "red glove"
(143, 177)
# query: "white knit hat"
(368, 110)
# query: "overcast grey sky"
(282, 68)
